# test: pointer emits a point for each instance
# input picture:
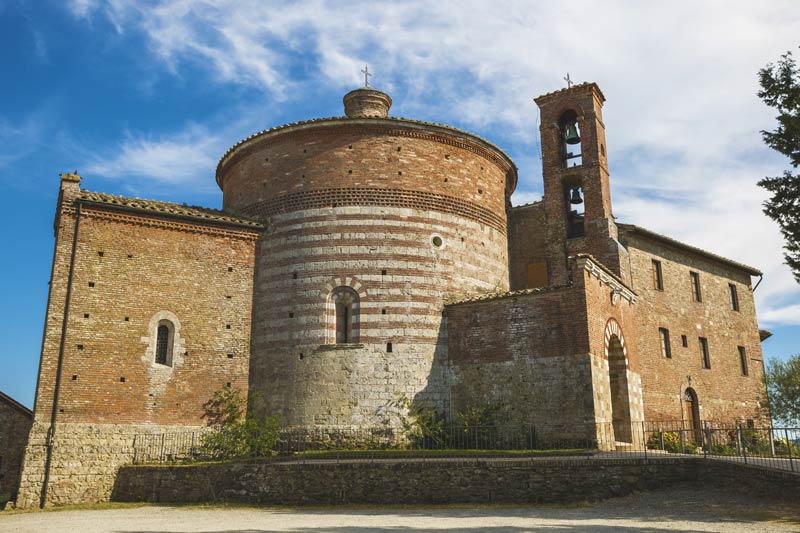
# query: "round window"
(437, 241)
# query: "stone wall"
(516, 355)
(86, 458)
(15, 424)
(437, 482)
(541, 356)
(388, 257)
(723, 392)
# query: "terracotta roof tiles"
(167, 208)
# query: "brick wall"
(540, 356)
(130, 271)
(15, 424)
(202, 278)
(407, 216)
(526, 242)
(723, 392)
(590, 173)
(363, 155)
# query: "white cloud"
(787, 315)
(180, 159)
(19, 139)
(682, 117)
(82, 8)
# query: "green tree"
(234, 433)
(780, 89)
(783, 385)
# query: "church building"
(362, 259)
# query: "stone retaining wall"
(437, 481)
(85, 460)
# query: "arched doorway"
(691, 416)
(620, 400)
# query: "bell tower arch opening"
(570, 139)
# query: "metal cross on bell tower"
(569, 81)
(367, 74)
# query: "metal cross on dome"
(569, 81)
(367, 74)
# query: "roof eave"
(699, 251)
(286, 128)
(14, 403)
(255, 227)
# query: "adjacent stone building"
(15, 424)
(361, 259)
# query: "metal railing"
(166, 447)
(769, 447)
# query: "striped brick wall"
(407, 216)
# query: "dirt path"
(670, 510)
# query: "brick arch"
(570, 106)
(614, 329)
(338, 285)
(349, 281)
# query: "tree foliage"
(235, 434)
(780, 89)
(783, 385)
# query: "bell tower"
(577, 195)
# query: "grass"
(386, 454)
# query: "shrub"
(423, 427)
(671, 441)
(236, 435)
(786, 447)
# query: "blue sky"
(142, 98)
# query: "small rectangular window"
(743, 360)
(658, 276)
(684, 341)
(666, 349)
(734, 297)
(695, 277)
(706, 356)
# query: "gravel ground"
(681, 509)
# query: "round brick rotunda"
(373, 223)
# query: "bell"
(572, 136)
(575, 197)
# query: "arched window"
(164, 340)
(345, 302)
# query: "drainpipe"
(760, 279)
(51, 430)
